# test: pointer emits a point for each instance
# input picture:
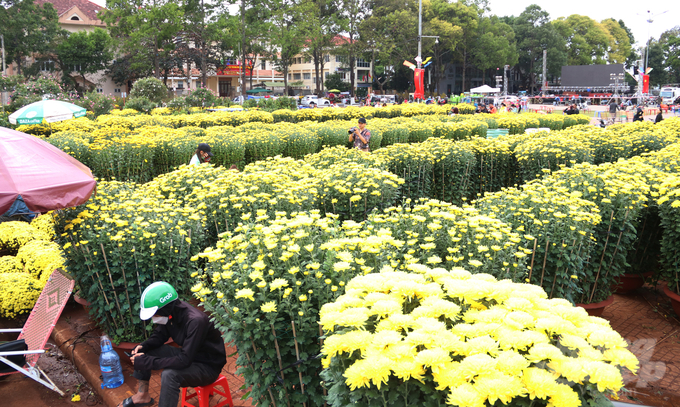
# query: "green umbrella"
(49, 111)
(258, 90)
(334, 91)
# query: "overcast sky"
(634, 14)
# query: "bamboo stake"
(278, 355)
(547, 244)
(552, 290)
(111, 279)
(139, 283)
(101, 287)
(618, 242)
(321, 345)
(253, 367)
(531, 268)
(597, 277)
(127, 294)
(297, 354)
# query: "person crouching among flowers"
(203, 154)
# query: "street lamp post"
(649, 38)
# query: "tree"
(144, 29)
(85, 53)
(495, 45)
(587, 40)
(659, 75)
(619, 43)
(633, 56)
(671, 47)
(352, 13)
(285, 36)
(28, 29)
(390, 34)
(334, 81)
(253, 35)
(205, 26)
(535, 33)
(122, 73)
(467, 18)
(320, 29)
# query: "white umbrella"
(49, 111)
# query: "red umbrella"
(45, 177)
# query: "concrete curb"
(86, 361)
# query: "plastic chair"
(204, 392)
(37, 330)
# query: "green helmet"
(154, 297)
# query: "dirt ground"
(18, 390)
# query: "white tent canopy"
(485, 89)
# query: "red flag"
(645, 83)
(418, 81)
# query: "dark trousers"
(197, 374)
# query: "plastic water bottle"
(109, 363)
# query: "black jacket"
(659, 117)
(192, 330)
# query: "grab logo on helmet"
(167, 297)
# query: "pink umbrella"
(45, 177)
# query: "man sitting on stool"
(198, 362)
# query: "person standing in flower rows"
(360, 136)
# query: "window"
(297, 60)
(296, 76)
(325, 75)
(116, 90)
(75, 68)
(306, 75)
(308, 60)
(362, 64)
(47, 66)
(290, 76)
(263, 65)
(74, 18)
(180, 85)
(100, 90)
(338, 58)
(326, 58)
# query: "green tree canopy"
(587, 40)
(534, 33)
(619, 42)
(144, 29)
(85, 52)
(28, 29)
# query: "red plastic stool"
(203, 393)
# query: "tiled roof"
(63, 6)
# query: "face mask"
(159, 320)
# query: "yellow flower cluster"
(474, 339)
(27, 259)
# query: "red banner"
(418, 76)
(645, 83)
(234, 69)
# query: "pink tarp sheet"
(46, 177)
